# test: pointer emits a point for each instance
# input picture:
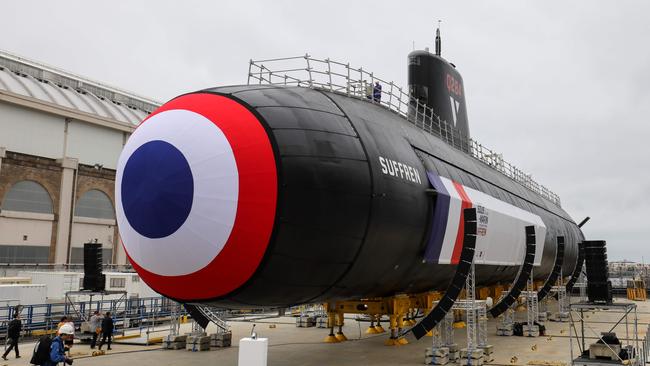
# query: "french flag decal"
(500, 233)
(446, 238)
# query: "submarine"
(273, 194)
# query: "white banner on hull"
(501, 226)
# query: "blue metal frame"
(46, 316)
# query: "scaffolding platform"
(623, 351)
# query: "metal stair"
(203, 315)
(216, 317)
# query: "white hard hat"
(66, 328)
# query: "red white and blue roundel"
(196, 191)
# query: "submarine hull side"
(385, 219)
(344, 228)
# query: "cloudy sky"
(561, 88)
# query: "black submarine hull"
(343, 229)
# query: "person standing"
(63, 321)
(67, 342)
(107, 330)
(376, 92)
(96, 327)
(13, 333)
(57, 348)
(368, 87)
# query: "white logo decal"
(455, 106)
(399, 170)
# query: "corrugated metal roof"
(31, 79)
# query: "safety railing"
(130, 314)
(338, 77)
(644, 352)
(8, 269)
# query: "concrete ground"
(289, 345)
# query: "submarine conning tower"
(437, 93)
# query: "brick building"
(60, 138)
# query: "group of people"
(101, 325)
(51, 352)
(373, 92)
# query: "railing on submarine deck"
(338, 77)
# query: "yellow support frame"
(400, 309)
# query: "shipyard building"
(60, 139)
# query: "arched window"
(95, 204)
(28, 196)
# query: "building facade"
(60, 139)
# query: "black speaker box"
(93, 280)
(599, 289)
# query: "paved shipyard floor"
(289, 345)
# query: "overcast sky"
(561, 88)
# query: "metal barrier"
(130, 314)
(70, 267)
(11, 269)
(644, 352)
(338, 77)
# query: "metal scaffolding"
(471, 308)
(543, 310)
(448, 329)
(505, 327)
(582, 285)
(532, 304)
(482, 326)
(176, 310)
(436, 333)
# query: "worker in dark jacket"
(13, 333)
(107, 330)
(376, 92)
